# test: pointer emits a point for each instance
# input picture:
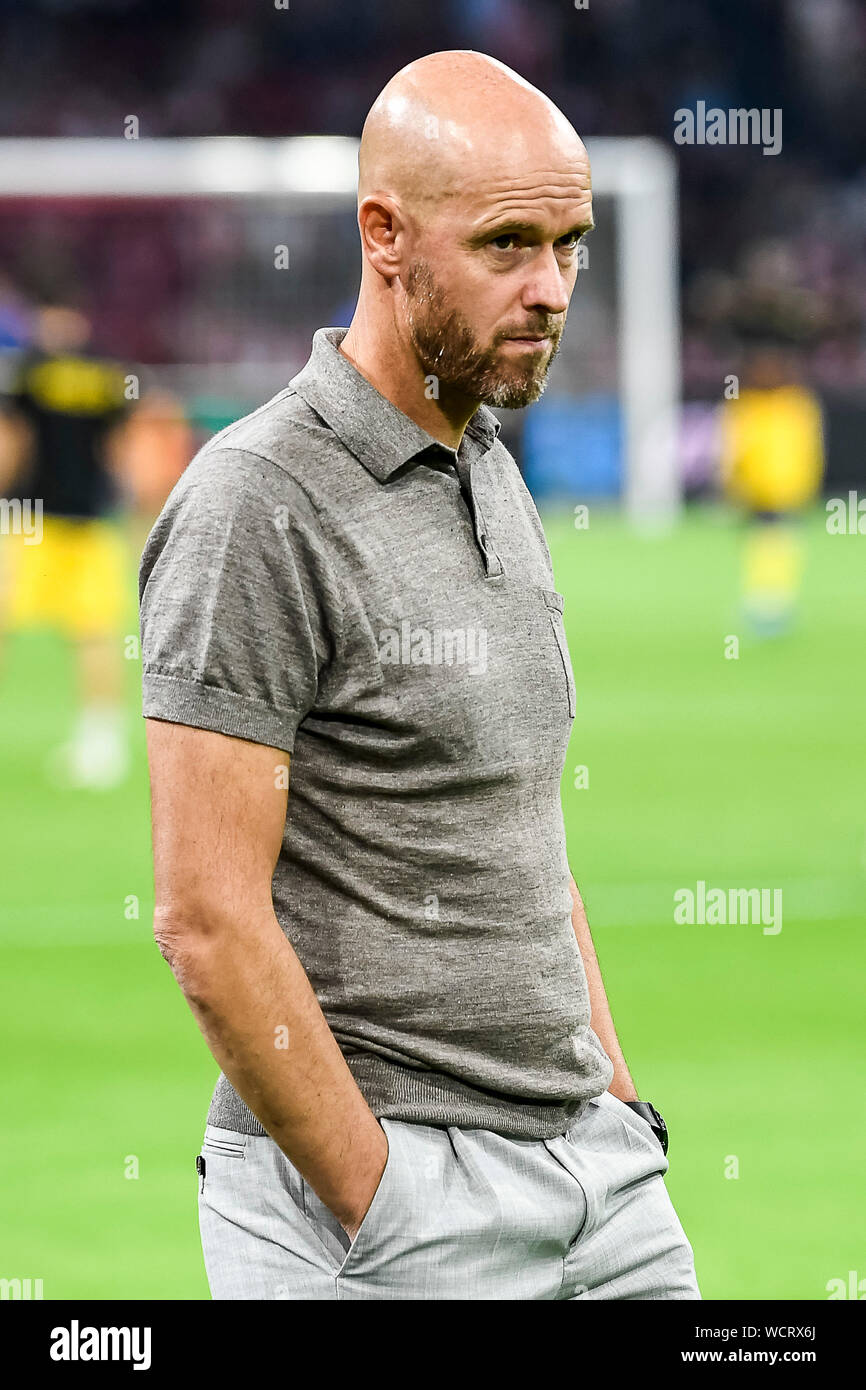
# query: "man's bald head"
(446, 120)
(474, 192)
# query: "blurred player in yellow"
(772, 467)
(63, 560)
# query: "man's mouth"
(531, 341)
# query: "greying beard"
(447, 349)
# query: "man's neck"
(403, 384)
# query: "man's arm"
(622, 1085)
(16, 442)
(218, 815)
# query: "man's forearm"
(265, 1028)
(602, 1023)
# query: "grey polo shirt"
(328, 580)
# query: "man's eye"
(508, 240)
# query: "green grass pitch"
(742, 773)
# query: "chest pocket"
(555, 604)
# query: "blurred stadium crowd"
(773, 249)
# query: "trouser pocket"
(637, 1124)
(217, 1147)
(336, 1240)
(318, 1221)
(226, 1143)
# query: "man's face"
(488, 290)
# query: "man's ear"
(381, 227)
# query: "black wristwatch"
(653, 1118)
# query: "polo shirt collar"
(380, 436)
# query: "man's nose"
(545, 286)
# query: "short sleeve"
(240, 606)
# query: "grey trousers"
(458, 1214)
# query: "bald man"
(358, 697)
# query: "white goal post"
(640, 174)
